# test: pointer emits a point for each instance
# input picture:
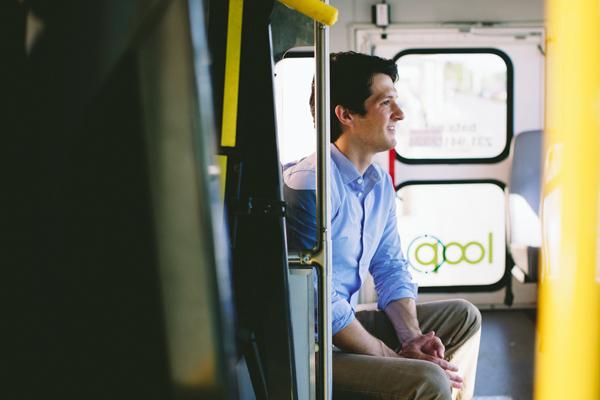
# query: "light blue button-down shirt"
(363, 228)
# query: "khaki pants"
(456, 322)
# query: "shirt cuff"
(341, 316)
(407, 290)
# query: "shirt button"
(359, 194)
(359, 181)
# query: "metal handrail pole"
(320, 256)
(323, 204)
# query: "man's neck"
(357, 157)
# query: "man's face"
(375, 131)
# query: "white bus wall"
(427, 11)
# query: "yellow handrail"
(315, 9)
(568, 362)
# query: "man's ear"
(345, 116)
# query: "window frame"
(509, 105)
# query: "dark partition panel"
(254, 199)
(117, 283)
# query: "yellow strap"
(232, 73)
(315, 9)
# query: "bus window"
(450, 237)
(295, 128)
(459, 103)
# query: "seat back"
(525, 177)
(524, 225)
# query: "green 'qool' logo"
(427, 253)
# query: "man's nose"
(398, 113)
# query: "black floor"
(505, 366)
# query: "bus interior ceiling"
(114, 124)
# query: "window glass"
(295, 128)
(453, 234)
(455, 105)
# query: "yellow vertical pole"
(232, 73)
(568, 361)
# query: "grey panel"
(302, 309)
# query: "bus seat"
(524, 225)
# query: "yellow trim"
(568, 365)
(222, 162)
(317, 10)
(232, 73)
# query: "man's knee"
(472, 316)
(436, 384)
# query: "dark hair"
(351, 77)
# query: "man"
(402, 349)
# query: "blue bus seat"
(524, 192)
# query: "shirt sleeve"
(341, 312)
(301, 229)
(389, 268)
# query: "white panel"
(431, 11)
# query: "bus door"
(466, 91)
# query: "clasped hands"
(430, 348)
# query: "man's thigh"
(358, 377)
(453, 321)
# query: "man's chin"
(392, 145)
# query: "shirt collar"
(348, 171)
(372, 174)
